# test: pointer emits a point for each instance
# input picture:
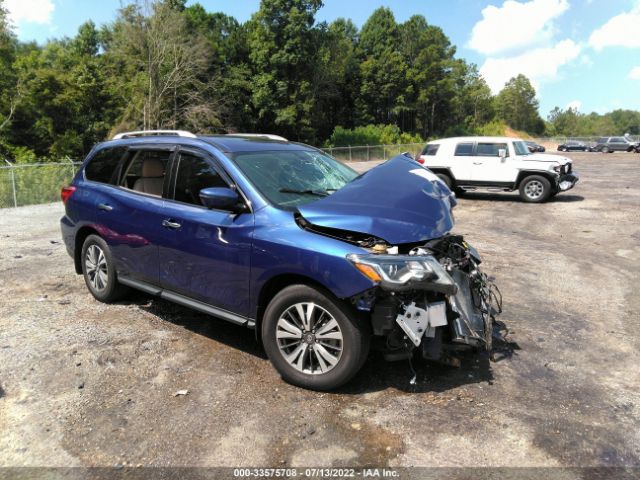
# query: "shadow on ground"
(511, 197)
(376, 375)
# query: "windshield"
(521, 148)
(291, 178)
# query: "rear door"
(128, 219)
(488, 167)
(204, 254)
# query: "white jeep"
(498, 164)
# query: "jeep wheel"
(535, 189)
(99, 271)
(312, 339)
(605, 150)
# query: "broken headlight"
(400, 269)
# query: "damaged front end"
(431, 297)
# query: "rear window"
(104, 165)
(464, 150)
(431, 149)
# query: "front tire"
(99, 271)
(535, 189)
(313, 340)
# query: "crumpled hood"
(546, 157)
(398, 201)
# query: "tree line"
(162, 64)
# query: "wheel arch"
(81, 236)
(275, 285)
(529, 173)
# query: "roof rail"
(151, 133)
(258, 135)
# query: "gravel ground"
(86, 384)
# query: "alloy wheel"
(309, 338)
(96, 267)
(534, 189)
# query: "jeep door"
(204, 254)
(488, 167)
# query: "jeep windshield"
(291, 178)
(521, 148)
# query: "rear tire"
(312, 339)
(535, 189)
(99, 271)
(446, 180)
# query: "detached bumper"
(567, 181)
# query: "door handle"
(104, 207)
(171, 225)
(478, 163)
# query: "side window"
(144, 171)
(617, 140)
(431, 149)
(491, 149)
(104, 165)
(464, 150)
(194, 174)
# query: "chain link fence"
(368, 153)
(35, 183)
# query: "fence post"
(73, 167)
(13, 183)
(350, 159)
(384, 152)
(368, 156)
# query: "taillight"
(420, 160)
(66, 193)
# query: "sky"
(582, 54)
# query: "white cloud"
(619, 31)
(31, 11)
(574, 105)
(540, 64)
(515, 25)
(634, 74)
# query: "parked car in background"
(615, 144)
(573, 146)
(279, 237)
(535, 147)
(498, 164)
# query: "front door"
(488, 167)
(205, 254)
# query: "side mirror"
(502, 153)
(221, 199)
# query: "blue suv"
(279, 237)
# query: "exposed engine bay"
(432, 297)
